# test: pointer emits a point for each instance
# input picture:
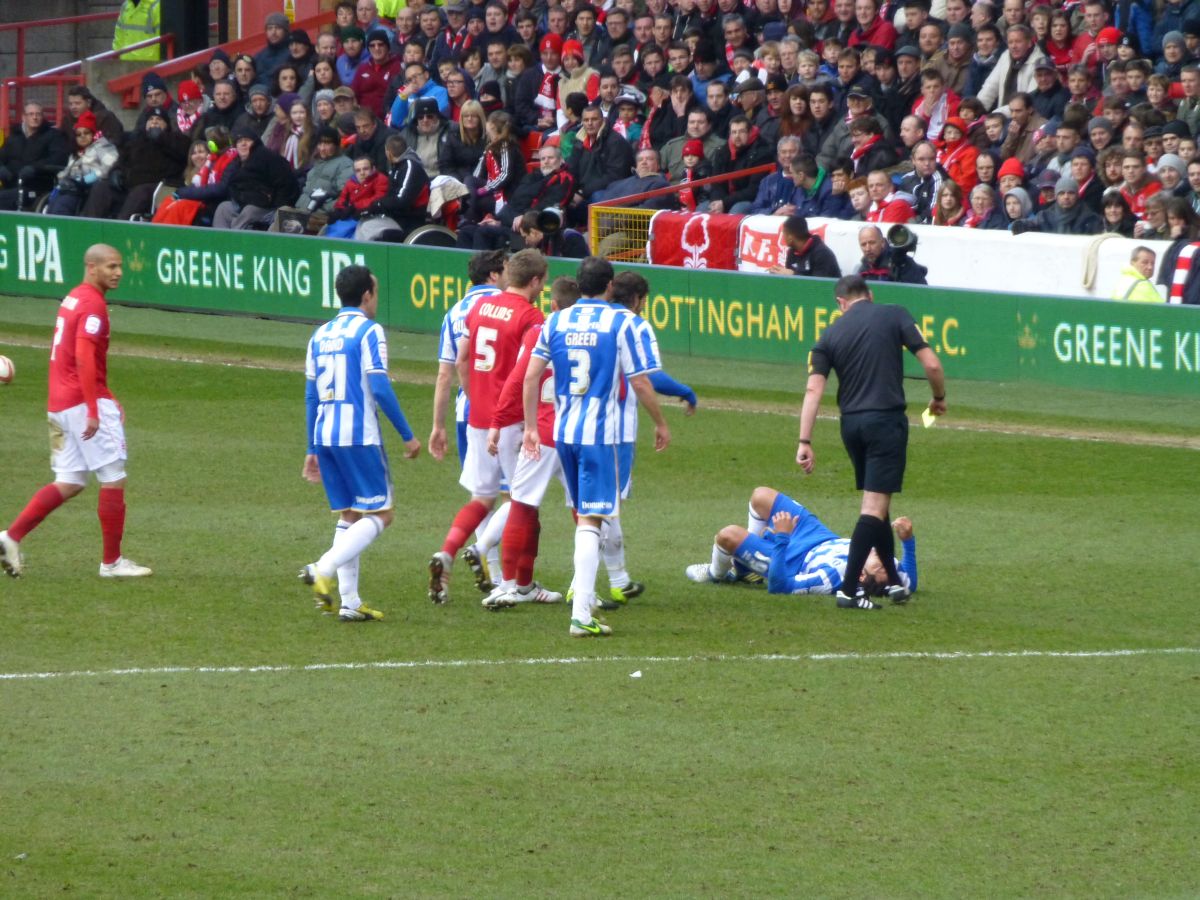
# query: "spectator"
(551, 185)
(32, 155)
(1051, 98)
(950, 209)
(301, 54)
(887, 205)
(204, 185)
(544, 232)
(987, 56)
(275, 135)
(646, 177)
(459, 146)
(1067, 215)
(872, 29)
(595, 43)
(860, 199)
(870, 152)
(984, 213)
(323, 77)
(882, 263)
(1017, 206)
(628, 122)
(695, 168)
(1138, 186)
(1154, 226)
(1134, 282)
(699, 128)
(372, 79)
(1012, 175)
(1024, 122)
(1083, 170)
(245, 76)
(155, 96)
(923, 182)
(986, 165)
(406, 203)
(807, 254)
(577, 76)
(955, 63)
(91, 162)
(260, 182)
(81, 100)
(324, 108)
(155, 154)
(776, 191)
(366, 17)
(326, 177)
(358, 195)
(1173, 174)
(285, 81)
(259, 112)
(354, 53)
(744, 150)
(370, 138)
(275, 53)
(1014, 70)
(860, 105)
(301, 136)
(223, 112)
(958, 155)
(936, 104)
(498, 171)
(417, 86)
(601, 157)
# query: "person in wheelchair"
(93, 159)
(30, 158)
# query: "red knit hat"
(573, 48)
(958, 122)
(551, 42)
(87, 120)
(1109, 35)
(1012, 166)
(693, 148)
(188, 90)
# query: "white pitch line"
(898, 655)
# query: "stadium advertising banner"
(1098, 345)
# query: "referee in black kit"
(864, 346)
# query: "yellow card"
(928, 419)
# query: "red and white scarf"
(1183, 265)
(547, 95)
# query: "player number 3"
(581, 371)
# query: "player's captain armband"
(92, 324)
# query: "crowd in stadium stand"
(506, 120)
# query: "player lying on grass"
(796, 553)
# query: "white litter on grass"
(637, 674)
(897, 656)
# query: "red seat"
(529, 149)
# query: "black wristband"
(940, 399)
(805, 441)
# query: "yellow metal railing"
(619, 233)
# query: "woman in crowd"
(498, 171)
(794, 118)
(1057, 44)
(463, 145)
(275, 135)
(323, 77)
(285, 80)
(1118, 218)
(323, 109)
(948, 208)
(298, 146)
(984, 213)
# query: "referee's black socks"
(885, 546)
(862, 539)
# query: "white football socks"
(721, 563)
(488, 534)
(347, 573)
(352, 542)
(754, 524)
(612, 546)
(587, 561)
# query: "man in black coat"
(883, 263)
(407, 200)
(261, 181)
(224, 111)
(601, 157)
(807, 254)
(32, 155)
(744, 150)
(150, 155)
(81, 100)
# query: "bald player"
(87, 432)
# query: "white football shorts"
(533, 476)
(485, 475)
(70, 454)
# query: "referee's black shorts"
(877, 443)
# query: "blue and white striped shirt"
(341, 354)
(647, 342)
(590, 346)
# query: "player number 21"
(331, 376)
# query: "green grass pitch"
(204, 733)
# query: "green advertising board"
(1102, 345)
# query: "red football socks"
(110, 509)
(44, 502)
(464, 526)
(519, 546)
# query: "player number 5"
(485, 353)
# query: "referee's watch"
(940, 399)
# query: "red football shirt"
(510, 408)
(495, 327)
(82, 316)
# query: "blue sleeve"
(310, 410)
(667, 386)
(399, 113)
(779, 580)
(385, 398)
(908, 563)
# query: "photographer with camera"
(890, 260)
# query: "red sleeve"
(593, 87)
(85, 363)
(510, 405)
